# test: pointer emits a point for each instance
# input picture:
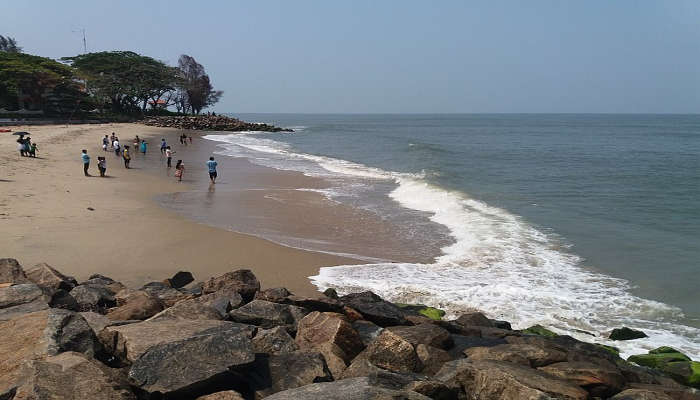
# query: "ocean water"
(576, 222)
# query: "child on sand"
(102, 165)
(179, 170)
(127, 157)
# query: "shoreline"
(44, 208)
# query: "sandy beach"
(50, 212)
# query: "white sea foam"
(498, 263)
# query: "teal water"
(560, 201)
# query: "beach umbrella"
(21, 133)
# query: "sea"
(579, 222)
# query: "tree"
(196, 92)
(9, 45)
(125, 80)
(39, 82)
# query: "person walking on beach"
(126, 155)
(212, 169)
(86, 162)
(179, 170)
(169, 154)
(143, 147)
(102, 165)
(163, 146)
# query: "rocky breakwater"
(210, 123)
(225, 338)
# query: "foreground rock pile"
(228, 339)
(210, 123)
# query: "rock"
(138, 305)
(332, 293)
(93, 297)
(20, 299)
(374, 308)
(598, 381)
(63, 299)
(427, 334)
(275, 295)
(462, 343)
(523, 354)
(47, 277)
(539, 330)
(11, 271)
(474, 319)
(268, 315)
(431, 313)
(225, 395)
(346, 389)
(242, 281)
(274, 341)
(180, 279)
(188, 365)
(163, 292)
(275, 373)
(317, 328)
(503, 380)
(35, 336)
(626, 334)
(129, 342)
(393, 352)
(71, 376)
(368, 331)
(431, 358)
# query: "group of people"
(26, 147)
(142, 146)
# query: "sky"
(404, 56)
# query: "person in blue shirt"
(86, 162)
(212, 169)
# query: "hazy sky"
(398, 56)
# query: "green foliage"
(50, 85)
(124, 80)
(539, 330)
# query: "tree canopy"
(45, 83)
(9, 45)
(124, 80)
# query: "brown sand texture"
(50, 212)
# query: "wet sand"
(50, 212)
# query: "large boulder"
(242, 281)
(166, 294)
(188, 365)
(20, 299)
(35, 336)
(268, 315)
(94, 297)
(374, 308)
(70, 376)
(47, 277)
(129, 342)
(599, 381)
(11, 271)
(524, 354)
(278, 372)
(626, 333)
(427, 334)
(503, 380)
(137, 305)
(317, 328)
(347, 389)
(274, 341)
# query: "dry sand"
(45, 217)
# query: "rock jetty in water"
(228, 339)
(210, 123)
